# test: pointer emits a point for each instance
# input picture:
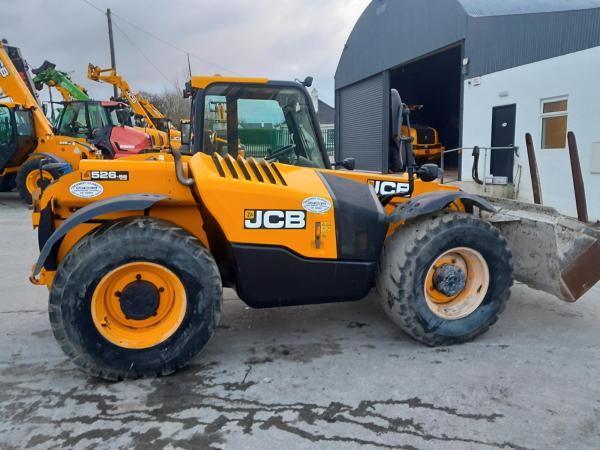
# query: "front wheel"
(445, 279)
(134, 299)
(30, 178)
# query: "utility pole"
(113, 64)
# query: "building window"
(554, 123)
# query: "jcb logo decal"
(389, 187)
(274, 219)
(3, 70)
(131, 97)
(106, 175)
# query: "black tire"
(21, 180)
(7, 182)
(406, 259)
(140, 239)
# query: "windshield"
(120, 116)
(273, 123)
(80, 119)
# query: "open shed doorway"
(435, 82)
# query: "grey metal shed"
(487, 36)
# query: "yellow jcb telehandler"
(26, 135)
(136, 252)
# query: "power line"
(167, 43)
(145, 57)
(173, 46)
(95, 7)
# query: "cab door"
(8, 137)
(25, 136)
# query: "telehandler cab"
(136, 269)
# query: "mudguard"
(436, 201)
(53, 157)
(131, 202)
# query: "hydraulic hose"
(179, 169)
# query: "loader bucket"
(551, 252)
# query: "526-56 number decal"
(106, 175)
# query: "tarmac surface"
(333, 376)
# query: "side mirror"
(308, 81)
(187, 90)
(347, 163)
(401, 155)
(185, 128)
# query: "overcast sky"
(279, 39)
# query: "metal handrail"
(459, 150)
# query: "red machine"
(106, 124)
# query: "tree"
(171, 103)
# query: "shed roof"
(326, 113)
(480, 8)
(497, 35)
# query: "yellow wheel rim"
(456, 283)
(33, 180)
(138, 305)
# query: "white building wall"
(576, 75)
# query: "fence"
(261, 141)
(329, 138)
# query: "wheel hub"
(138, 305)
(140, 300)
(450, 280)
(456, 283)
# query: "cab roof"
(201, 82)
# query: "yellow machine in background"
(136, 252)
(158, 126)
(426, 140)
(26, 135)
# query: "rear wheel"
(29, 178)
(7, 182)
(445, 279)
(134, 299)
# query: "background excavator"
(47, 74)
(26, 135)
(28, 139)
(426, 141)
(142, 107)
(107, 124)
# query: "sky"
(277, 39)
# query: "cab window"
(273, 123)
(73, 121)
(98, 116)
(6, 128)
(26, 138)
(25, 125)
